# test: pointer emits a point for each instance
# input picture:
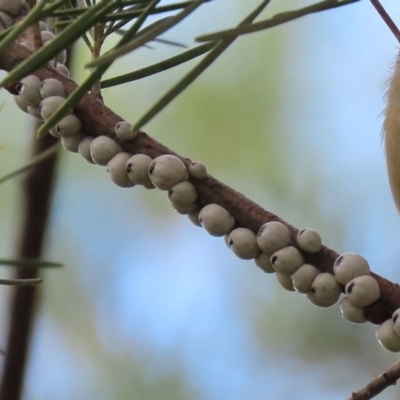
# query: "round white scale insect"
(287, 260)
(194, 218)
(29, 90)
(325, 290)
(183, 193)
(71, 143)
(273, 236)
(285, 281)
(309, 240)
(348, 266)
(396, 321)
(103, 149)
(362, 291)
(51, 87)
(243, 243)
(304, 277)
(49, 105)
(117, 170)
(137, 169)
(84, 149)
(166, 171)
(216, 220)
(387, 337)
(351, 313)
(23, 107)
(5, 20)
(123, 130)
(263, 261)
(12, 7)
(68, 126)
(198, 170)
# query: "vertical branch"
(36, 193)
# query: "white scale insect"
(391, 124)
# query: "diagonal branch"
(277, 19)
(97, 119)
(378, 384)
(37, 191)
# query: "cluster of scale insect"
(271, 247)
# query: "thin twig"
(378, 384)
(35, 160)
(385, 16)
(37, 194)
(276, 20)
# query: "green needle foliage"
(100, 69)
(102, 18)
(29, 263)
(278, 19)
(21, 282)
(35, 160)
(65, 38)
(158, 67)
(195, 72)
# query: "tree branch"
(378, 384)
(98, 120)
(36, 194)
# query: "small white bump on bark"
(34, 111)
(137, 169)
(287, 260)
(68, 126)
(263, 261)
(303, 277)
(123, 131)
(387, 337)
(71, 143)
(5, 20)
(84, 149)
(198, 170)
(182, 193)
(12, 7)
(103, 149)
(216, 220)
(194, 218)
(362, 291)
(166, 171)
(309, 240)
(285, 281)
(50, 105)
(116, 169)
(28, 89)
(51, 87)
(351, 313)
(273, 236)
(185, 209)
(243, 243)
(349, 265)
(325, 290)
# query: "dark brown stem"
(378, 384)
(98, 120)
(36, 194)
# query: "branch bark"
(378, 384)
(98, 120)
(37, 189)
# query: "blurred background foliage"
(149, 306)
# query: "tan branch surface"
(378, 384)
(98, 120)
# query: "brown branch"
(378, 384)
(36, 194)
(97, 120)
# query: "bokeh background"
(148, 306)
